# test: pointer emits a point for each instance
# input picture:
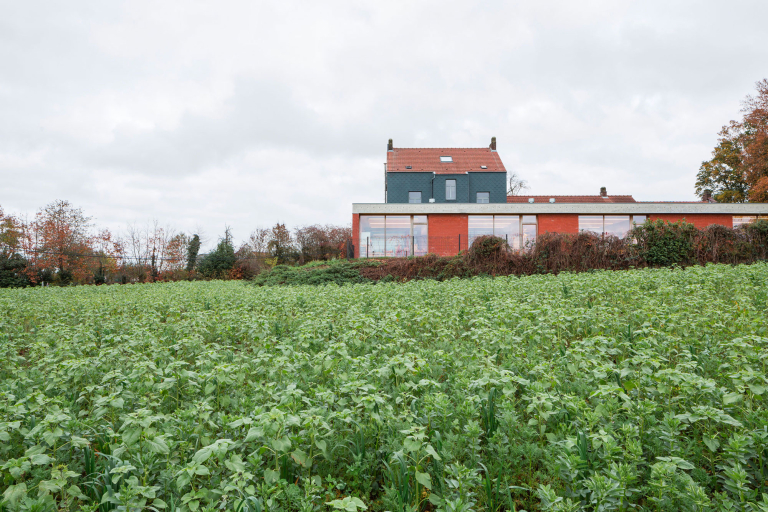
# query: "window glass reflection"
(479, 225)
(616, 225)
(372, 236)
(507, 227)
(593, 223)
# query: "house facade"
(438, 200)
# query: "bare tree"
(516, 185)
(259, 240)
(154, 249)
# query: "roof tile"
(572, 199)
(428, 160)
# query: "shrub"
(664, 243)
(756, 234)
(12, 273)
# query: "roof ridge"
(489, 149)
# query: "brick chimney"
(603, 192)
(390, 146)
(707, 196)
(493, 144)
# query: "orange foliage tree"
(738, 170)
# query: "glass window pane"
(616, 225)
(639, 219)
(419, 219)
(529, 234)
(593, 223)
(414, 197)
(479, 225)
(450, 189)
(398, 235)
(741, 220)
(529, 219)
(508, 227)
(420, 239)
(483, 197)
(371, 236)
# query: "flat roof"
(575, 208)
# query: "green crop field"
(598, 391)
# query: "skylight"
(446, 159)
(483, 166)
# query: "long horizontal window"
(393, 236)
(740, 220)
(517, 230)
(616, 225)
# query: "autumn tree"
(58, 241)
(738, 169)
(12, 263)
(318, 242)
(280, 245)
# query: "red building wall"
(356, 233)
(699, 220)
(444, 233)
(558, 223)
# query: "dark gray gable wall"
(467, 186)
(400, 183)
(493, 182)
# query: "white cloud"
(247, 113)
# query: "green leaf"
(79, 442)
(430, 450)
(254, 433)
(424, 479)
(40, 459)
(712, 443)
(411, 445)
(14, 493)
(203, 454)
(158, 503)
(300, 457)
(281, 445)
(183, 479)
(158, 445)
(732, 398)
(46, 486)
(271, 476)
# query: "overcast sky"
(244, 113)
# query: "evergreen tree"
(192, 250)
(219, 262)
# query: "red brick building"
(438, 200)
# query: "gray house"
(445, 175)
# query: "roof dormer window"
(446, 159)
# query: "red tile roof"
(572, 199)
(428, 160)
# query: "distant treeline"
(60, 245)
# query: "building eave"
(553, 208)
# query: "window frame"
(522, 221)
(632, 222)
(455, 186)
(410, 201)
(415, 220)
(477, 198)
